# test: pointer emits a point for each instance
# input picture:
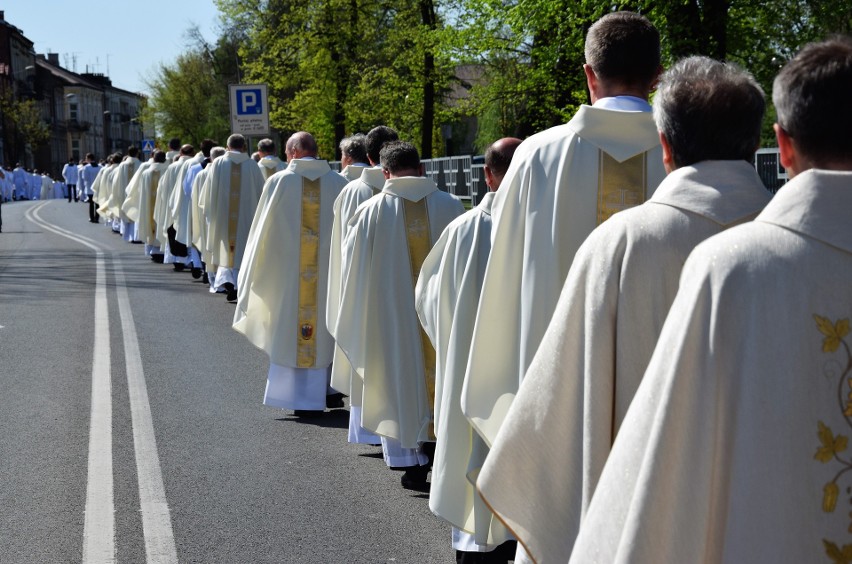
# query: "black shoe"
(158, 258)
(179, 267)
(334, 401)
(414, 478)
(308, 413)
(205, 278)
(196, 273)
(230, 292)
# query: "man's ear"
(592, 82)
(668, 156)
(790, 159)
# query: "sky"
(131, 38)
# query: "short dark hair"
(355, 147)
(397, 156)
(132, 151)
(624, 48)
(266, 146)
(206, 145)
(187, 149)
(708, 110)
(498, 155)
(376, 139)
(159, 156)
(813, 102)
(174, 143)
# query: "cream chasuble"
(446, 296)
(132, 200)
(269, 165)
(354, 171)
(562, 183)
(735, 448)
(106, 191)
(100, 186)
(118, 186)
(586, 371)
(231, 199)
(199, 221)
(179, 203)
(367, 185)
(283, 281)
(377, 325)
(145, 194)
(164, 193)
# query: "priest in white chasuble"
(230, 201)
(446, 296)
(176, 213)
(100, 188)
(563, 182)
(131, 201)
(353, 156)
(162, 213)
(369, 183)
(377, 326)
(120, 183)
(269, 162)
(140, 203)
(283, 280)
(199, 217)
(559, 430)
(181, 204)
(736, 446)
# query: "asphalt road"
(240, 482)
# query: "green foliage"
(23, 119)
(335, 67)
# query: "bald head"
(497, 159)
(301, 144)
(187, 150)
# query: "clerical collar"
(623, 104)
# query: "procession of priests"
(627, 351)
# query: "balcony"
(78, 126)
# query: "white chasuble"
(162, 215)
(367, 185)
(231, 198)
(118, 187)
(561, 184)
(142, 201)
(100, 188)
(269, 165)
(283, 281)
(354, 171)
(736, 446)
(199, 221)
(377, 325)
(446, 295)
(179, 211)
(131, 202)
(592, 358)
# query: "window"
(72, 111)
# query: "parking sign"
(249, 109)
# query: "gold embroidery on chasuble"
(306, 351)
(416, 217)
(152, 198)
(621, 185)
(833, 448)
(233, 211)
(267, 172)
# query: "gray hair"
(708, 110)
(266, 146)
(812, 100)
(236, 142)
(355, 147)
(217, 152)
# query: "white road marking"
(99, 527)
(156, 519)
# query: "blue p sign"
(249, 102)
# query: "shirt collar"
(623, 104)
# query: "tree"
(22, 124)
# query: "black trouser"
(72, 191)
(176, 248)
(93, 215)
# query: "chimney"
(2, 15)
(53, 58)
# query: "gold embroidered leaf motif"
(829, 497)
(831, 445)
(838, 555)
(834, 333)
